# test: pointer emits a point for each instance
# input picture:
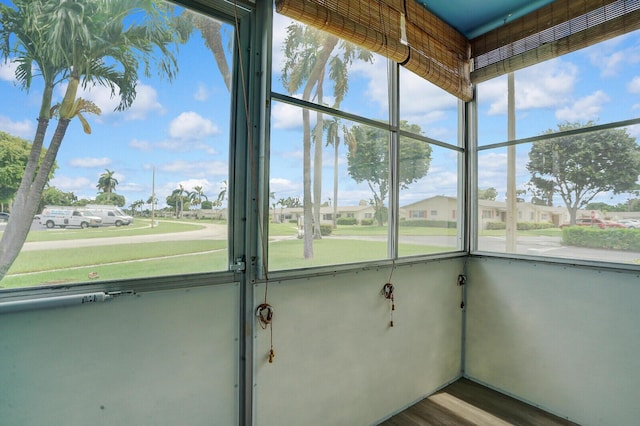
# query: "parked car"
(4, 217)
(63, 218)
(630, 223)
(602, 224)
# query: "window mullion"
(394, 158)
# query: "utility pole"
(153, 195)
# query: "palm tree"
(135, 205)
(197, 195)
(333, 138)
(78, 44)
(308, 52)
(107, 183)
(221, 195)
(211, 33)
(181, 192)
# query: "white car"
(630, 223)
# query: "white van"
(110, 215)
(63, 217)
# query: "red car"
(602, 224)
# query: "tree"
(52, 196)
(579, 167)
(136, 205)
(487, 194)
(196, 196)
(78, 44)
(112, 199)
(308, 52)
(368, 161)
(107, 183)
(222, 195)
(14, 154)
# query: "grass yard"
(74, 265)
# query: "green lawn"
(136, 260)
(74, 265)
(139, 227)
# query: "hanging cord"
(462, 280)
(388, 293)
(264, 311)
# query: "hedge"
(366, 222)
(613, 239)
(521, 226)
(326, 230)
(424, 223)
(346, 221)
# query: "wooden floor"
(468, 403)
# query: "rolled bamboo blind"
(406, 32)
(561, 27)
(431, 49)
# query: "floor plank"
(465, 402)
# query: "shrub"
(613, 239)
(424, 223)
(521, 226)
(347, 221)
(325, 230)
(366, 222)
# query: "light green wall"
(162, 358)
(565, 338)
(337, 360)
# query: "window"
(162, 157)
(575, 156)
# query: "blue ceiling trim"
(473, 18)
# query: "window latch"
(239, 266)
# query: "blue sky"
(182, 129)
(178, 128)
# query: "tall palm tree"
(107, 183)
(197, 195)
(222, 195)
(80, 44)
(308, 53)
(333, 138)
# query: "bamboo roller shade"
(440, 54)
(432, 49)
(561, 27)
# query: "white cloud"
(73, 184)
(584, 109)
(634, 85)
(280, 24)
(192, 126)
(198, 168)
(202, 93)
(286, 116)
(8, 71)
(284, 186)
(546, 85)
(140, 145)
(23, 129)
(146, 102)
(611, 58)
(89, 162)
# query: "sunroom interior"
(444, 283)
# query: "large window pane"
(430, 110)
(347, 188)
(598, 84)
(352, 79)
(162, 158)
(576, 197)
(430, 217)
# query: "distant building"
(443, 207)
